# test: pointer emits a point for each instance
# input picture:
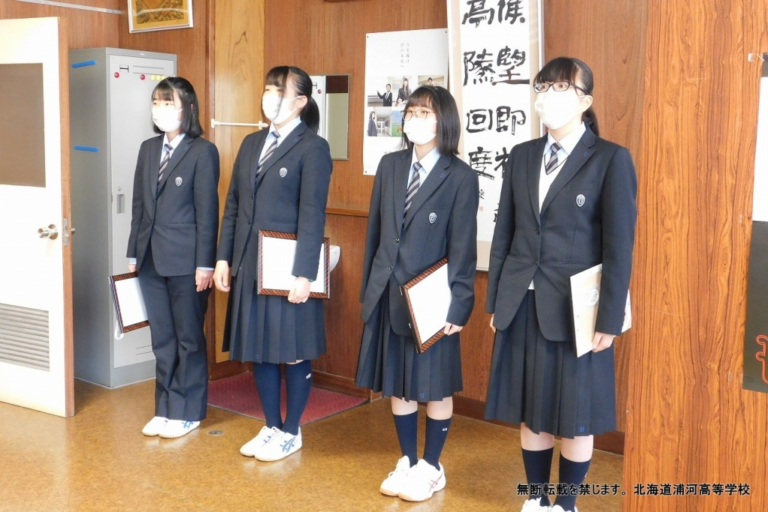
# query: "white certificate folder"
(585, 299)
(429, 299)
(129, 302)
(277, 252)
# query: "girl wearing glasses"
(423, 208)
(567, 203)
(279, 183)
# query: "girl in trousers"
(567, 204)
(423, 208)
(172, 244)
(279, 183)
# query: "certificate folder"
(277, 252)
(129, 302)
(429, 298)
(585, 299)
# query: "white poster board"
(495, 53)
(404, 61)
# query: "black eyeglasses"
(418, 114)
(559, 86)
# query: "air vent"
(24, 337)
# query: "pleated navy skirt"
(390, 364)
(268, 328)
(543, 384)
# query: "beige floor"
(98, 460)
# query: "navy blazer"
(442, 221)
(588, 217)
(180, 215)
(289, 195)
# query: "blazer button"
(397, 240)
(389, 268)
(535, 263)
(538, 232)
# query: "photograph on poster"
(436, 80)
(386, 91)
(380, 122)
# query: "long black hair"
(278, 76)
(571, 69)
(190, 108)
(440, 101)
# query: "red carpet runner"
(238, 394)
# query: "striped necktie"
(268, 152)
(413, 186)
(166, 157)
(551, 164)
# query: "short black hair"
(447, 113)
(389, 85)
(571, 69)
(278, 76)
(190, 108)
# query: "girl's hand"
(131, 267)
(601, 341)
(452, 329)
(203, 279)
(221, 276)
(300, 291)
(492, 326)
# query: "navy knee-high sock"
(571, 473)
(298, 384)
(267, 376)
(437, 432)
(407, 429)
(538, 464)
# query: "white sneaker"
(422, 482)
(252, 447)
(178, 428)
(396, 479)
(534, 505)
(558, 508)
(279, 447)
(154, 426)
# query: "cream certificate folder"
(276, 254)
(129, 302)
(585, 299)
(429, 298)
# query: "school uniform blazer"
(386, 98)
(440, 222)
(588, 217)
(179, 216)
(292, 194)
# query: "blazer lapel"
(153, 167)
(577, 158)
(402, 169)
(535, 155)
(178, 153)
(256, 156)
(435, 178)
(291, 140)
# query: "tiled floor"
(98, 460)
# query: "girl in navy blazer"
(423, 209)
(279, 183)
(567, 204)
(173, 244)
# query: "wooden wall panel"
(689, 420)
(609, 35)
(85, 29)
(239, 80)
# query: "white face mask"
(557, 109)
(420, 131)
(275, 110)
(166, 118)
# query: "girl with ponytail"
(279, 183)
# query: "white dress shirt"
(567, 145)
(427, 163)
(284, 132)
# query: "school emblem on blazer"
(580, 200)
(178, 182)
(432, 217)
(283, 172)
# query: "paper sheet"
(277, 265)
(131, 301)
(430, 300)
